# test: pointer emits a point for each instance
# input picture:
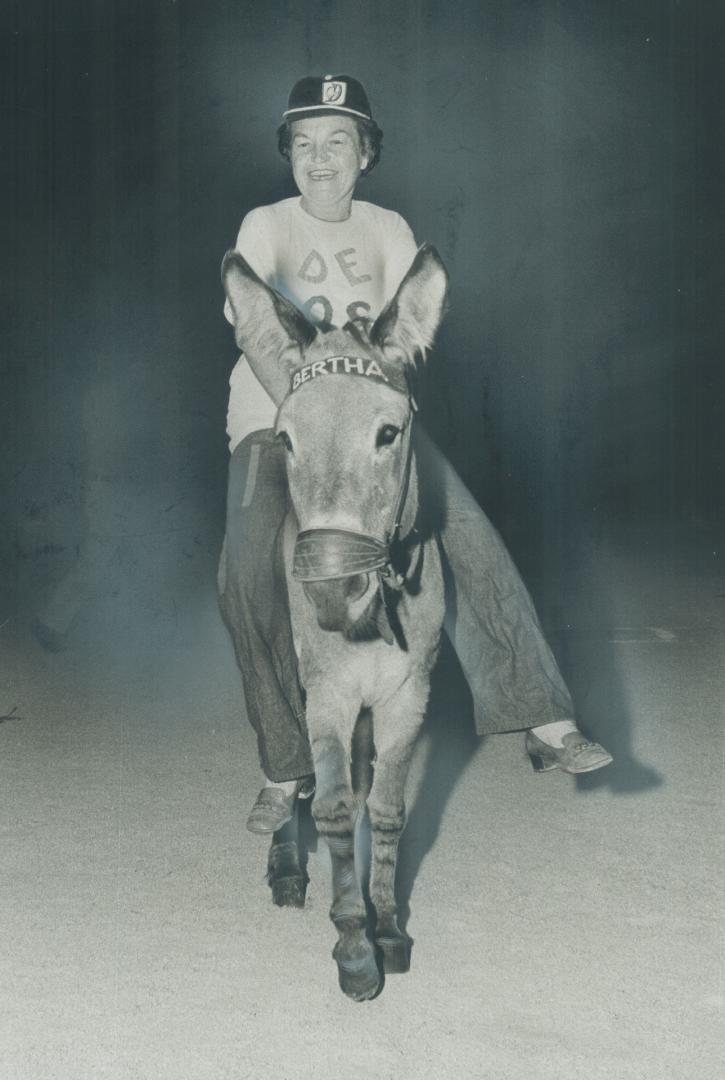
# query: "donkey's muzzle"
(324, 554)
(332, 599)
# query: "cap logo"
(333, 93)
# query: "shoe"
(577, 755)
(273, 809)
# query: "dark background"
(563, 157)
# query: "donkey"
(364, 580)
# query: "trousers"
(514, 680)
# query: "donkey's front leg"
(396, 726)
(330, 722)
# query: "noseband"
(327, 554)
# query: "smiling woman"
(368, 134)
(328, 158)
(339, 261)
(351, 103)
(336, 258)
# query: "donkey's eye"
(285, 440)
(387, 435)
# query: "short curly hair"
(370, 135)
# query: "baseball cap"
(321, 94)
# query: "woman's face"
(327, 158)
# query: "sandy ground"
(564, 929)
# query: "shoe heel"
(541, 757)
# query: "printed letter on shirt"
(311, 308)
(313, 269)
(358, 309)
(346, 264)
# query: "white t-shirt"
(332, 271)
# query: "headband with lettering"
(367, 367)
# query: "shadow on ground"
(451, 744)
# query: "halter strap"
(323, 554)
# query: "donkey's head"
(345, 416)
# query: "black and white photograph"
(362, 604)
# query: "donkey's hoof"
(358, 974)
(396, 953)
(289, 891)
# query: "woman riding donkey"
(339, 259)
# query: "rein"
(328, 554)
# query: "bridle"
(329, 554)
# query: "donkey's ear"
(410, 321)
(267, 328)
